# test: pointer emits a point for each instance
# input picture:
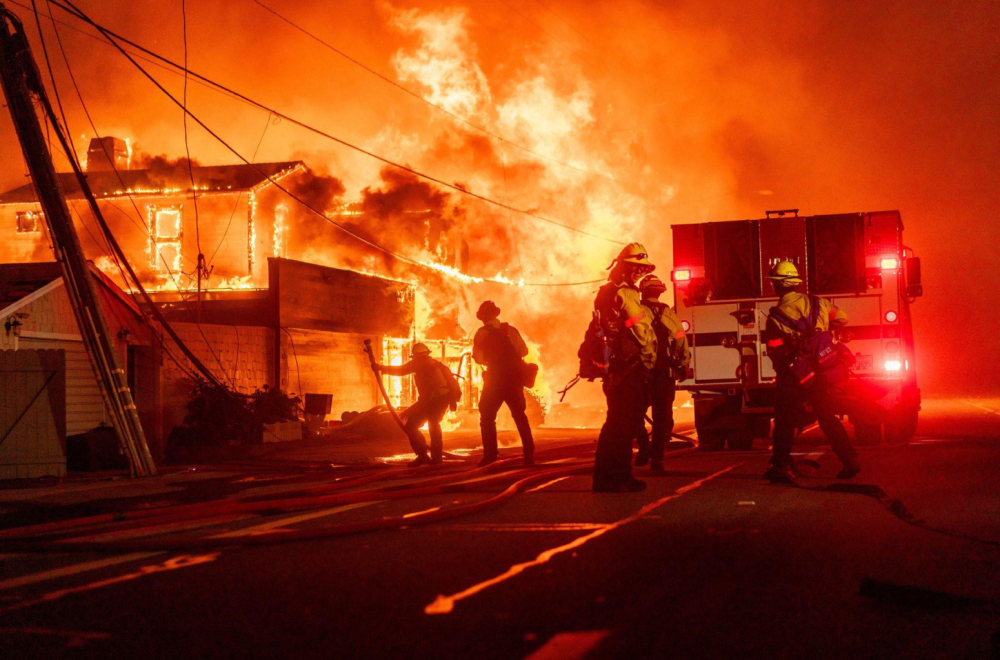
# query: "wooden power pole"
(21, 85)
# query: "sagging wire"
(419, 97)
(202, 270)
(239, 195)
(74, 162)
(114, 39)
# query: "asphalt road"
(709, 562)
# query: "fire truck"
(723, 297)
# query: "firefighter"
(500, 348)
(791, 395)
(437, 389)
(672, 359)
(628, 325)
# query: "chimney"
(106, 154)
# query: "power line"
(187, 150)
(74, 163)
(421, 98)
(113, 38)
(271, 179)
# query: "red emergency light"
(890, 263)
(680, 275)
(893, 365)
(891, 317)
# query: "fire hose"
(35, 544)
(123, 521)
(381, 386)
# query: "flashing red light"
(685, 326)
(891, 317)
(681, 275)
(890, 263)
(893, 365)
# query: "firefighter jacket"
(427, 374)
(782, 341)
(672, 352)
(627, 324)
(499, 347)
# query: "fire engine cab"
(723, 297)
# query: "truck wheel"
(867, 435)
(901, 425)
(711, 440)
(740, 440)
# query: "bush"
(218, 416)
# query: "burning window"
(166, 229)
(29, 222)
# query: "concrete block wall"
(239, 356)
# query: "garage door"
(84, 405)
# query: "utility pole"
(21, 85)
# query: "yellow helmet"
(785, 272)
(634, 253)
(420, 349)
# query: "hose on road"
(270, 537)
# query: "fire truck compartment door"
(712, 325)
(864, 325)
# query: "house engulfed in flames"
(262, 318)
(237, 220)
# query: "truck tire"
(901, 425)
(867, 435)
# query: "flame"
(442, 63)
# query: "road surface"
(709, 562)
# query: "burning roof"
(162, 181)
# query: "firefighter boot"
(487, 460)
(656, 465)
(421, 459)
(780, 474)
(642, 456)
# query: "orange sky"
(699, 110)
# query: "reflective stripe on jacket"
(628, 321)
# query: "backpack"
(818, 353)
(503, 358)
(500, 353)
(454, 388)
(595, 351)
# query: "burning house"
(260, 320)
(164, 216)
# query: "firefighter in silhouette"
(629, 328)
(500, 348)
(672, 359)
(795, 328)
(437, 390)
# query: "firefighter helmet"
(633, 253)
(785, 272)
(652, 286)
(420, 349)
(487, 311)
